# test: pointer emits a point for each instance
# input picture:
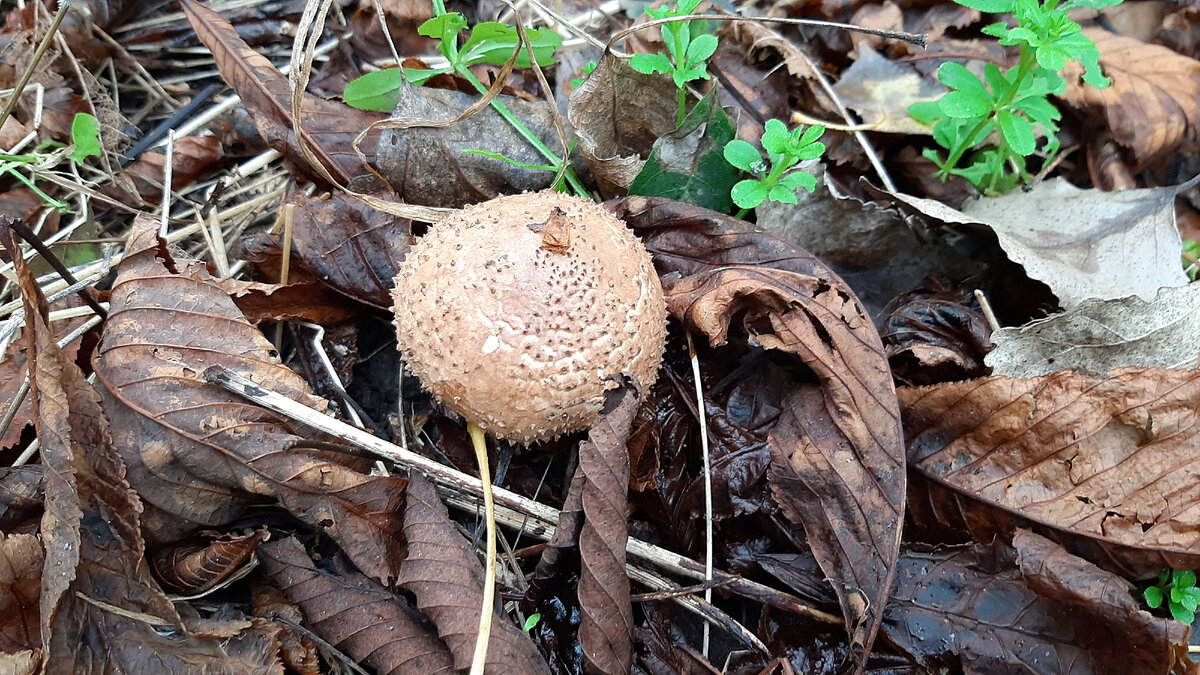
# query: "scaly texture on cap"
(513, 311)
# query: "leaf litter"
(1040, 489)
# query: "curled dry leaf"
(21, 496)
(1110, 461)
(606, 630)
(196, 452)
(329, 127)
(837, 457)
(1153, 104)
(1031, 608)
(20, 585)
(358, 616)
(296, 650)
(193, 567)
(447, 579)
(98, 584)
(936, 337)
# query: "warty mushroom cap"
(512, 312)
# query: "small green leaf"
(1017, 132)
(1051, 57)
(957, 77)
(375, 91)
(651, 63)
(961, 105)
(701, 48)
(1153, 596)
(748, 194)
(989, 6)
(799, 179)
(494, 42)
(531, 621)
(775, 136)
(743, 155)
(443, 25)
(85, 136)
(1183, 614)
(925, 112)
(781, 194)
(810, 151)
(1185, 579)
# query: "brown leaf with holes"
(1030, 607)
(329, 127)
(447, 579)
(200, 454)
(837, 454)
(1153, 104)
(606, 627)
(20, 585)
(296, 650)
(373, 626)
(96, 582)
(194, 567)
(1105, 464)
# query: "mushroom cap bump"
(513, 311)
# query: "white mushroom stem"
(489, 580)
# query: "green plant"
(689, 45)
(531, 622)
(1012, 102)
(1178, 589)
(775, 179)
(1191, 258)
(488, 42)
(85, 142)
(585, 71)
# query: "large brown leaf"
(837, 456)
(100, 609)
(1153, 104)
(200, 454)
(1111, 461)
(1028, 608)
(373, 626)
(329, 127)
(447, 579)
(606, 628)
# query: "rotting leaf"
(1030, 607)
(296, 650)
(1109, 461)
(606, 630)
(198, 453)
(1100, 335)
(618, 113)
(445, 576)
(329, 126)
(95, 581)
(21, 496)
(935, 337)
(1153, 105)
(193, 567)
(373, 626)
(848, 457)
(20, 586)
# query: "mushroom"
(514, 311)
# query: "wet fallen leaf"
(447, 579)
(1153, 104)
(1110, 461)
(373, 626)
(1101, 335)
(1031, 608)
(329, 127)
(837, 465)
(197, 453)
(21, 496)
(194, 567)
(936, 337)
(606, 631)
(20, 587)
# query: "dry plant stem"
(489, 576)
(539, 518)
(708, 500)
(986, 308)
(63, 6)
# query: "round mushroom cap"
(512, 312)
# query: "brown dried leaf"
(606, 628)
(21, 496)
(1153, 104)
(618, 113)
(194, 567)
(329, 127)
(350, 246)
(447, 579)
(1035, 609)
(20, 587)
(25, 662)
(837, 461)
(199, 453)
(98, 584)
(191, 156)
(1112, 461)
(373, 626)
(297, 651)
(935, 337)
(304, 301)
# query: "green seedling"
(1176, 588)
(85, 142)
(531, 622)
(776, 179)
(585, 71)
(1001, 116)
(689, 46)
(488, 42)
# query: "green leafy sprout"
(85, 142)
(585, 71)
(488, 42)
(1012, 102)
(776, 179)
(531, 622)
(1191, 258)
(1177, 589)
(689, 45)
